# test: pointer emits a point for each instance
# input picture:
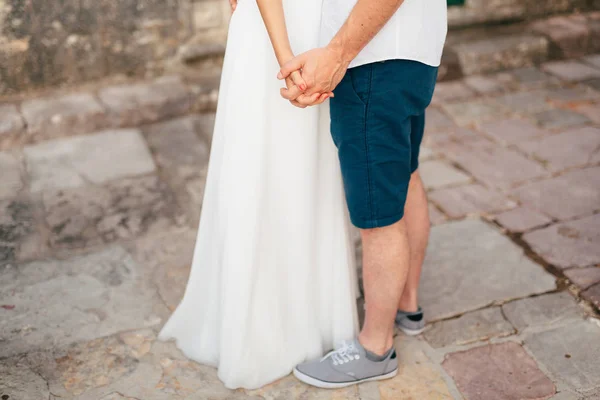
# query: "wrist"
(344, 54)
(284, 57)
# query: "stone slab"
(473, 111)
(496, 166)
(470, 264)
(468, 328)
(592, 111)
(435, 215)
(522, 219)
(485, 84)
(19, 382)
(418, 376)
(78, 161)
(571, 70)
(574, 243)
(546, 310)
(19, 238)
(436, 174)
(12, 181)
(560, 119)
(461, 201)
(66, 115)
(571, 96)
(570, 195)
(95, 215)
(510, 131)
(532, 77)
(593, 60)
(500, 53)
(592, 294)
(436, 120)
(498, 372)
(451, 91)
(569, 35)
(566, 359)
(525, 101)
(136, 104)
(574, 148)
(584, 277)
(84, 297)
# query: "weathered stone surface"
(562, 354)
(465, 200)
(485, 84)
(17, 229)
(477, 12)
(545, 310)
(77, 161)
(470, 112)
(425, 154)
(569, 36)
(592, 111)
(436, 174)
(181, 149)
(167, 258)
(584, 277)
(486, 261)
(498, 372)
(574, 148)
(194, 52)
(440, 139)
(571, 244)
(11, 175)
(571, 70)
(509, 131)
(593, 60)
(570, 195)
(499, 53)
(84, 297)
(418, 377)
(436, 120)
(435, 215)
(522, 219)
(525, 102)
(451, 91)
(496, 166)
(19, 382)
(146, 102)
(571, 96)
(468, 328)
(63, 116)
(11, 125)
(291, 388)
(592, 295)
(94, 215)
(531, 77)
(560, 119)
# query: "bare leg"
(385, 269)
(416, 215)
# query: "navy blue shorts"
(377, 124)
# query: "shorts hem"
(376, 223)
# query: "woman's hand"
(295, 92)
(233, 4)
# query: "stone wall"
(49, 43)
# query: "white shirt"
(416, 32)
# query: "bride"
(272, 281)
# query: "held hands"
(322, 69)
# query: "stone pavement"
(100, 197)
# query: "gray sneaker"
(346, 366)
(411, 323)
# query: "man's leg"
(416, 215)
(385, 270)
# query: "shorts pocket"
(361, 78)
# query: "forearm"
(274, 19)
(364, 22)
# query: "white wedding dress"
(272, 280)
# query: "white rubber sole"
(331, 385)
(410, 332)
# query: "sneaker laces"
(346, 353)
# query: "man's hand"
(322, 70)
(295, 92)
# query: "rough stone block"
(546, 310)
(584, 277)
(571, 70)
(593, 60)
(562, 353)
(17, 229)
(496, 54)
(468, 265)
(67, 115)
(466, 200)
(132, 105)
(11, 181)
(436, 174)
(96, 159)
(124, 209)
(11, 125)
(522, 219)
(569, 35)
(471, 327)
(573, 194)
(574, 148)
(571, 244)
(498, 372)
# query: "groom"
(381, 63)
